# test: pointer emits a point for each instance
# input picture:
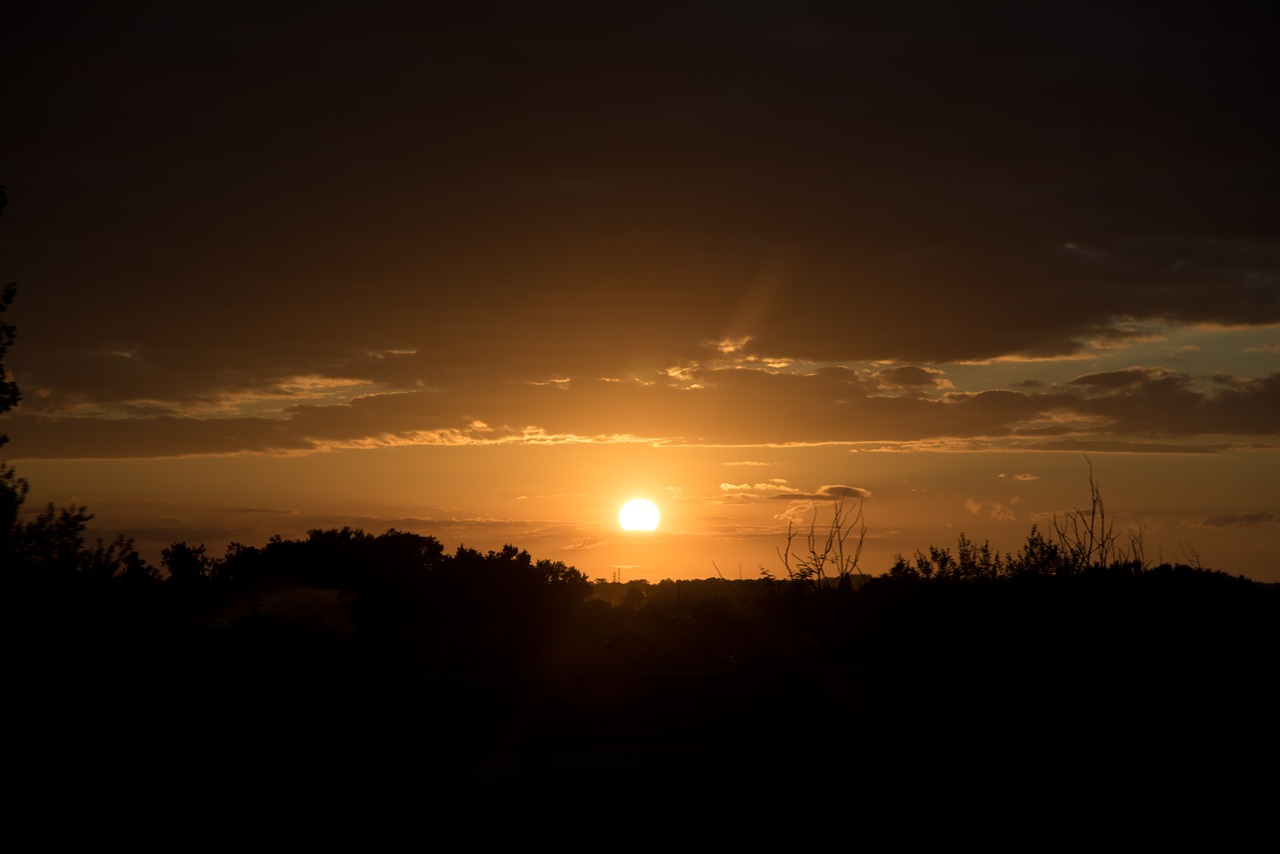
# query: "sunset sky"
(485, 271)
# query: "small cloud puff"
(584, 545)
(995, 510)
(829, 492)
(1002, 513)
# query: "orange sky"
(487, 276)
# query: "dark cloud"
(834, 492)
(914, 377)
(1120, 447)
(1232, 520)
(1123, 379)
(1159, 403)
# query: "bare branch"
(829, 558)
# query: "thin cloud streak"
(1118, 409)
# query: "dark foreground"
(713, 759)
(468, 710)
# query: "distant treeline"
(348, 604)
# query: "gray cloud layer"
(310, 228)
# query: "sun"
(638, 515)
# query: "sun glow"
(638, 515)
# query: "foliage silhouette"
(187, 565)
(10, 396)
(49, 551)
(13, 489)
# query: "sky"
(486, 271)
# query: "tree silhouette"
(50, 549)
(187, 565)
(13, 489)
(9, 394)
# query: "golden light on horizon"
(638, 515)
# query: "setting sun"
(638, 515)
